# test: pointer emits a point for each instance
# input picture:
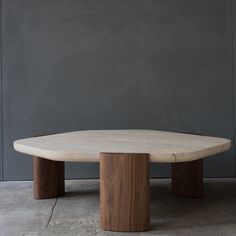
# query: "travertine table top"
(85, 146)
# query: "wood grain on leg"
(49, 181)
(124, 192)
(187, 179)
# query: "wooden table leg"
(187, 179)
(49, 180)
(124, 192)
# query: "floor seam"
(52, 211)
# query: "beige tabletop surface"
(86, 146)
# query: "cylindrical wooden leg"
(49, 181)
(124, 192)
(187, 179)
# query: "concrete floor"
(77, 213)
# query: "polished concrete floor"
(77, 213)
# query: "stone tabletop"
(86, 146)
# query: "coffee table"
(124, 157)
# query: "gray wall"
(234, 60)
(1, 108)
(88, 64)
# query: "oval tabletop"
(86, 146)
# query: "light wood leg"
(187, 179)
(124, 192)
(49, 181)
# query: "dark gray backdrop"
(87, 64)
